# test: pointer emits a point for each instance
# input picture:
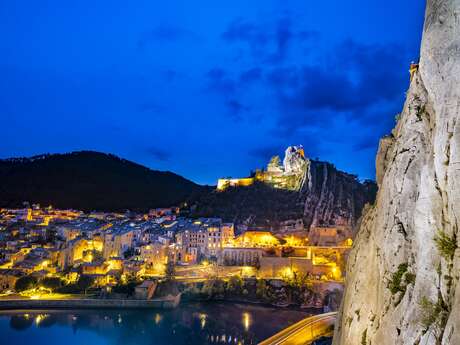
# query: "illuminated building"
(278, 175)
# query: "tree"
(235, 285)
(25, 283)
(52, 283)
(129, 253)
(85, 282)
(261, 289)
(128, 287)
(170, 271)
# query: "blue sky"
(205, 88)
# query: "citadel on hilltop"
(288, 175)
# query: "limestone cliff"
(333, 197)
(403, 274)
(327, 196)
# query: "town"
(48, 253)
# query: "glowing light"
(287, 273)
(246, 321)
(39, 318)
(203, 320)
(158, 318)
(247, 271)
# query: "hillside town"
(108, 250)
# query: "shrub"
(364, 337)
(410, 278)
(430, 312)
(396, 283)
(25, 283)
(84, 283)
(127, 288)
(434, 315)
(235, 285)
(213, 288)
(446, 245)
(167, 288)
(261, 288)
(52, 283)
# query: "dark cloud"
(158, 153)
(251, 75)
(270, 41)
(358, 79)
(283, 36)
(163, 33)
(244, 31)
(283, 77)
(236, 108)
(219, 81)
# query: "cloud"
(240, 30)
(235, 108)
(163, 34)
(158, 153)
(270, 41)
(358, 79)
(251, 75)
(219, 81)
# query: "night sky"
(205, 88)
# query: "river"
(194, 323)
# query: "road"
(303, 332)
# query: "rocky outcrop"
(327, 197)
(294, 160)
(333, 197)
(402, 279)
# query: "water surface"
(196, 323)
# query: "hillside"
(327, 197)
(89, 180)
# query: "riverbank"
(168, 302)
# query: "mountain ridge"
(88, 180)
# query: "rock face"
(294, 160)
(333, 197)
(327, 197)
(403, 285)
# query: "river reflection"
(189, 324)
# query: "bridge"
(305, 331)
